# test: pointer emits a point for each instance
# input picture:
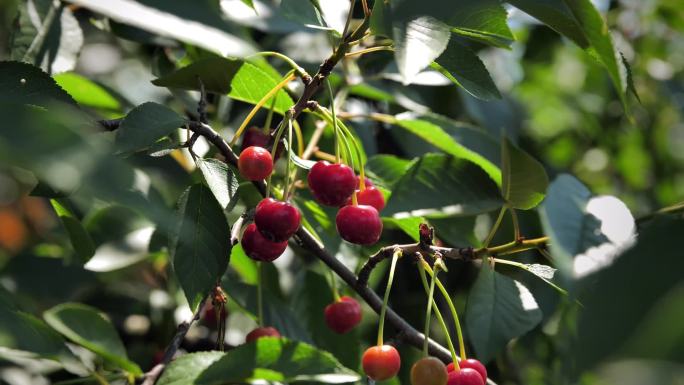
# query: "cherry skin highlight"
(259, 248)
(265, 331)
(381, 362)
(255, 163)
(343, 315)
(472, 364)
(359, 224)
(276, 220)
(331, 184)
(465, 376)
(428, 371)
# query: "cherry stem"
(494, 228)
(527, 268)
(369, 50)
(299, 136)
(349, 18)
(438, 314)
(452, 308)
(334, 120)
(289, 160)
(428, 311)
(383, 310)
(333, 285)
(269, 116)
(260, 299)
(289, 77)
(516, 225)
(274, 150)
(295, 67)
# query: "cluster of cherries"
(383, 362)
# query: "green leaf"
(580, 21)
(37, 87)
(381, 19)
(304, 12)
(187, 368)
(499, 309)
(24, 332)
(46, 35)
(417, 42)
(482, 20)
(276, 312)
(221, 181)
(197, 24)
(524, 180)
(80, 239)
(249, 3)
(456, 231)
(89, 328)
(624, 303)
(201, 245)
(439, 185)
(463, 67)
(386, 169)
(409, 225)
(240, 80)
(146, 124)
(461, 140)
(86, 92)
(244, 265)
(310, 298)
(274, 359)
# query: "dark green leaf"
(482, 20)
(462, 66)
(186, 369)
(381, 19)
(86, 92)
(201, 245)
(386, 169)
(456, 231)
(24, 83)
(24, 332)
(221, 181)
(240, 80)
(440, 185)
(44, 190)
(499, 309)
(144, 125)
(48, 35)
(409, 225)
(620, 301)
(195, 23)
(80, 239)
(455, 138)
(275, 359)
(310, 299)
(89, 328)
(524, 180)
(580, 21)
(304, 12)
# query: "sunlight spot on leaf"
(526, 297)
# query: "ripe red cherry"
(331, 184)
(381, 362)
(255, 163)
(465, 376)
(259, 248)
(371, 196)
(255, 136)
(367, 184)
(472, 364)
(428, 371)
(343, 315)
(265, 331)
(359, 224)
(211, 317)
(276, 220)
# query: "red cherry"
(331, 184)
(259, 248)
(381, 362)
(277, 220)
(210, 317)
(465, 376)
(266, 331)
(359, 224)
(371, 196)
(368, 182)
(255, 163)
(428, 371)
(343, 315)
(472, 364)
(255, 136)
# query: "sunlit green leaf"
(524, 179)
(144, 125)
(86, 92)
(462, 66)
(80, 239)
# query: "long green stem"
(334, 119)
(494, 228)
(516, 225)
(454, 313)
(289, 160)
(274, 150)
(347, 135)
(260, 299)
(511, 247)
(333, 285)
(381, 327)
(527, 268)
(269, 116)
(300, 71)
(428, 312)
(438, 314)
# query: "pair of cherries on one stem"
(431, 371)
(334, 185)
(274, 223)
